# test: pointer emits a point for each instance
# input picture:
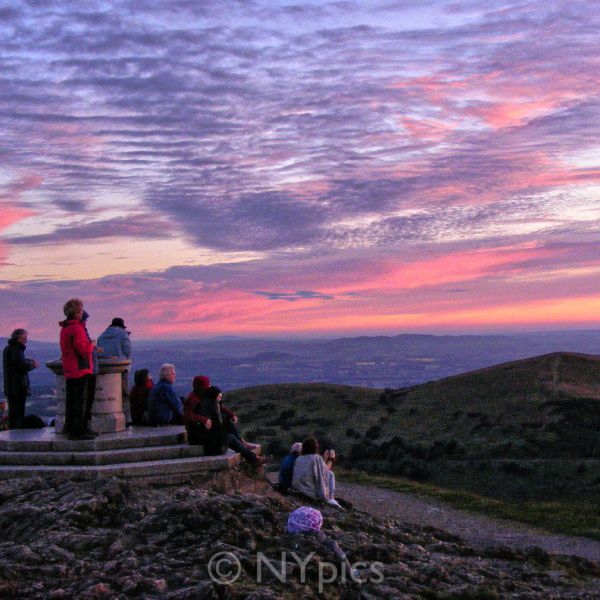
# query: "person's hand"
(208, 424)
(234, 419)
(35, 364)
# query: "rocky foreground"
(115, 539)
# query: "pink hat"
(305, 518)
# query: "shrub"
(276, 448)
(512, 467)
(373, 432)
(352, 433)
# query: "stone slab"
(46, 439)
(144, 469)
(101, 457)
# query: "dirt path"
(477, 530)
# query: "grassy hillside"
(519, 431)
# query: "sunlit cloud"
(251, 167)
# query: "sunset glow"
(322, 168)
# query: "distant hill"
(522, 427)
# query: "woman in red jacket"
(76, 353)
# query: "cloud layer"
(334, 166)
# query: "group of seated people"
(211, 424)
(307, 473)
(208, 423)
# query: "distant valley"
(373, 362)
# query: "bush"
(512, 467)
(352, 433)
(373, 432)
(276, 448)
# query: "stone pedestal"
(107, 410)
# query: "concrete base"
(136, 452)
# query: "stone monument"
(107, 410)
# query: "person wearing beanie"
(114, 342)
(307, 521)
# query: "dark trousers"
(76, 404)
(90, 395)
(219, 437)
(16, 410)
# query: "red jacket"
(190, 417)
(76, 349)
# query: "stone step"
(47, 440)
(100, 457)
(140, 469)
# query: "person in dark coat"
(217, 429)
(138, 396)
(16, 376)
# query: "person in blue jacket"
(286, 469)
(164, 406)
(114, 340)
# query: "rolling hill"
(521, 429)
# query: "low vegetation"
(523, 437)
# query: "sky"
(281, 168)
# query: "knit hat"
(118, 322)
(200, 383)
(305, 518)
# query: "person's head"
(305, 518)
(296, 448)
(310, 446)
(73, 309)
(141, 377)
(19, 336)
(118, 322)
(213, 393)
(200, 384)
(167, 371)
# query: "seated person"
(164, 407)
(312, 477)
(214, 427)
(307, 521)
(286, 469)
(192, 418)
(138, 396)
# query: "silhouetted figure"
(138, 396)
(16, 376)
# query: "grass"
(563, 516)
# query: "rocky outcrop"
(117, 539)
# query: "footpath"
(479, 531)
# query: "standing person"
(77, 361)
(91, 388)
(114, 342)
(164, 407)
(16, 376)
(311, 475)
(138, 396)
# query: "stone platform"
(137, 452)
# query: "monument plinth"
(107, 410)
